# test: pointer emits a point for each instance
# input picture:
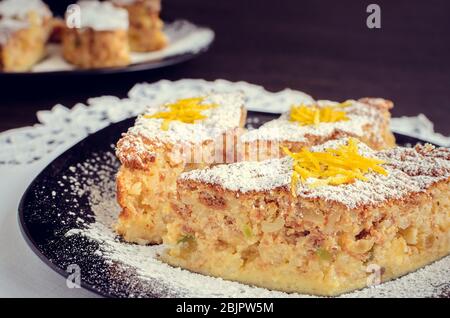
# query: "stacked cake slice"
(322, 221)
(167, 140)
(306, 125)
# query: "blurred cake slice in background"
(25, 26)
(96, 35)
(324, 221)
(185, 134)
(367, 119)
(146, 27)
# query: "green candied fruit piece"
(186, 238)
(323, 254)
(247, 230)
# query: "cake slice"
(367, 119)
(146, 28)
(25, 26)
(99, 38)
(169, 139)
(323, 221)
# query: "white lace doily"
(62, 126)
(184, 37)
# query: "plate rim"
(137, 67)
(35, 247)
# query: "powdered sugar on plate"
(145, 275)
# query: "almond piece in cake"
(165, 141)
(322, 221)
(100, 39)
(367, 119)
(24, 30)
(146, 28)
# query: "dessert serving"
(146, 28)
(94, 36)
(100, 39)
(25, 26)
(319, 221)
(306, 125)
(166, 141)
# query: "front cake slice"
(169, 139)
(307, 125)
(323, 221)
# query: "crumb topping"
(408, 170)
(215, 120)
(350, 119)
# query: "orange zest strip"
(343, 165)
(314, 115)
(187, 110)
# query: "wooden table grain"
(321, 47)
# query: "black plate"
(44, 229)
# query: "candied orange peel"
(314, 115)
(343, 165)
(186, 110)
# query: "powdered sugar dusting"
(282, 129)
(219, 119)
(102, 16)
(246, 176)
(95, 178)
(19, 9)
(404, 176)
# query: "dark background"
(321, 47)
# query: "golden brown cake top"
(101, 16)
(407, 170)
(190, 120)
(323, 119)
(154, 5)
(19, 9)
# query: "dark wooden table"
(321, 47)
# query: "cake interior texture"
(323, 241)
